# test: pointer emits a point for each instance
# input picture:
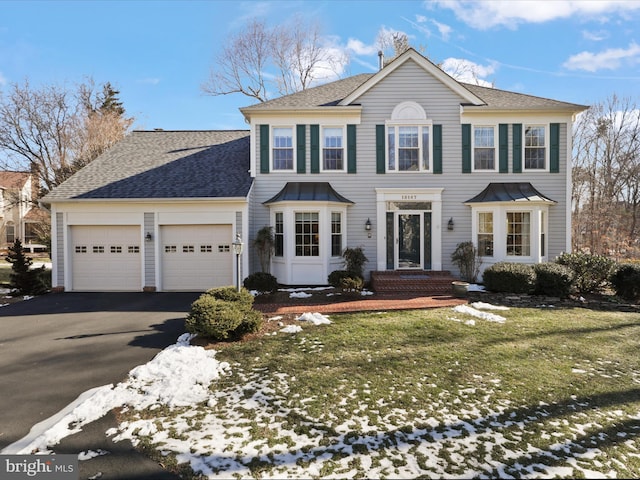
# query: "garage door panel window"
(133, 249)
(115, 249)
(224, 248)
(98, 249)
(81, 249)
(188, 249)
(170, 249)
(206, 248)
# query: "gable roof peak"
(411, 54)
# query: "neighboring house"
(19, 216)
(406, 163)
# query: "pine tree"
(24, 280)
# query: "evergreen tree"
(24, 280)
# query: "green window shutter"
(351, 149)
(466, 148)
(517, 147)
(503, 147)
(264, 148)
(301, 153)
(314, 132)
(437, 149)
(380, 149)
(554, 153)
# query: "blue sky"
(158, 53)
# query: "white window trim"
(495, 150)
(344, 149)
(409, 123)
(547, 131)
(500, 211)
(293, 146)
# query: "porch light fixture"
(237, 249)
(148, 237)
(367, 225)
(450, 224)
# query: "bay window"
(307, 240)
(519, 234)
(485, 234)
(278, 235)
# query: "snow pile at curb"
(178, 376)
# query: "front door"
(409, 240)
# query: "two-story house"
(406, 163)
(19, 216)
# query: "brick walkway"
(366, 304)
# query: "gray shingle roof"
(165, 164)
(330, 94)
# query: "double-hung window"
(518, 234)
(336, 234)
(307, 234)
(333, 148)
(278, 235)
(484, 148)
(409, 148)
(282, 152)
(535, 147)
(485, 234)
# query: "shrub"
(466, 258)
(214, 318)
(553, 279)
(591, 273)
(354, 260)
(24, 279)
(262, 282)
(509, 277)
(251, 323)
(231, 294)
(223, 314)
(626, 281)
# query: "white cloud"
(491, 13)
(609, 59)
(468, 72)
(595, 36)
(360, 48)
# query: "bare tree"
(52, 131)
(606, 176)
(284, 59)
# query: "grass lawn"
(424, 393)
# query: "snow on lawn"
(474, 312)
(254, 427)
(315, 318)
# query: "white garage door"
(196, 257)
(106, 258)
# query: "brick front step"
(412, 281)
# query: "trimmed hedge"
(626, 281)
(553, 279)
(223, 314)
(262, 282)
(591, 273)
(509, 277)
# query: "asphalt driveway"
(57, 346)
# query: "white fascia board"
(308, 115)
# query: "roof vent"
(158, 129)
(381, 59)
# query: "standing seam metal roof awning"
(308, 192)
(510, 192)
